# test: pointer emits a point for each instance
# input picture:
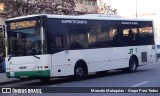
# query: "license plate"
(12, 74)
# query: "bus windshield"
(25, 41)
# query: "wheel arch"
(136, 58)
(81, 61)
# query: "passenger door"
(56, 47)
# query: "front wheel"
(80, 72)
(133, 65)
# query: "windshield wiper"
(10, 57)
(35, 52)
(36, 56)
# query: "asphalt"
(4, 80)
(147, 76)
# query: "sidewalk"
(5, 80)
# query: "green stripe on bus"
(41, 73)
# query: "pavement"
(4, 80)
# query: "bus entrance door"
(58, 54)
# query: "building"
(86, 6)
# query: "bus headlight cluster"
(8, 69)
(41, 67)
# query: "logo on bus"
(129, 23)
(22, 67)
(74, 21)
(132, 50)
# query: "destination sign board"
(23, 24)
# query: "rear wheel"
(80, 72)
(133, 65)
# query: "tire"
(132, 65)
(80, 72)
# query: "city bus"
(45, 46)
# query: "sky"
(128, 7)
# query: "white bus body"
(97, 52)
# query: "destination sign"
(23, 24)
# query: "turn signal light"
(45, 66)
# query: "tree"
(14, 8)
(103, 8)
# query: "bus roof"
(89, 17)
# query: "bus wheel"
(44, 80)
(133, 65)
(80, 72)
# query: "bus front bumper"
(28, 74)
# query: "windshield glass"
(26, 41)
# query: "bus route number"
(132, 50)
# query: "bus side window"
(56, 42)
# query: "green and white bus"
(45, 46)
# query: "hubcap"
(79, 71)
